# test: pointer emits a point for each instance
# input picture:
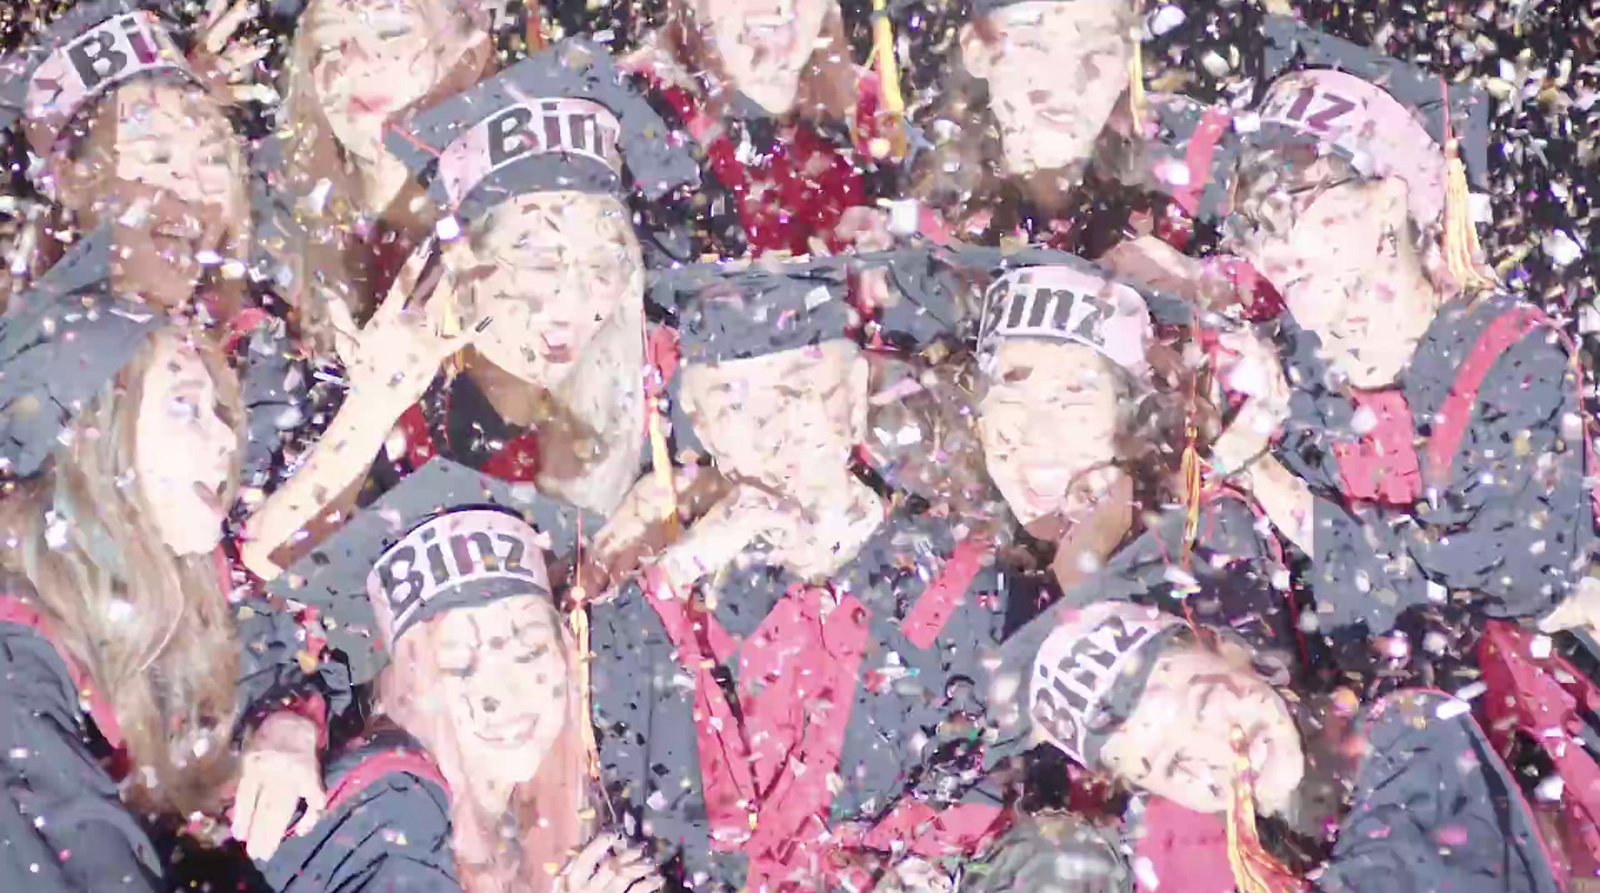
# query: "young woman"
(546, 293)
(133, 133)
(1432, 441)
(479, 701)
(345, 210)
(123, 591)
(1406, 794)
(786, 127)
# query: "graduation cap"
(1384, 115)
(1033, 293)
(445, 537)
(87, 52)
(562, 119)
(738, 311)
(60, 343)
(1090, 672)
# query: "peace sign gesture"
(399, 350)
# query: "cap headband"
(1065, 304)
(1362, 121)
(1089, 664)
(117, 50)
(435, 566)
(537, 127)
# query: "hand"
(716, 539)
(281, 768)
(867, 229)
(234, 60)
(1149, 260)
(1252, 367)
(1580, 610)
(396, 355)
(608, 865)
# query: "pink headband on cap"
(564, 126)
(1081, 662)
(1062, 303)
(113, 52)
(1378, 132)
(437, 559)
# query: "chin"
(1028, 160)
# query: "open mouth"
(510, 732)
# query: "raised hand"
(609, 865)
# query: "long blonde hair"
(555, 812)
(318, 191)
(153, 629)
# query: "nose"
(1038, 97)
(490, 704)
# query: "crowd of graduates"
(443, 452)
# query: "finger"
(314, 811)
(214, 11)
(649, 884)
(271, 824)
(405, 283)
(633, 873)
(242, 57)
(218, 36)
(244, 805)
(583, 866)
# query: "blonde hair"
(319, 186)
(598, 408)
(555, 811)
(154, 629)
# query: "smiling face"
(1055, 72)
(1180, 741)
(1369, 302)
(369, 59)
(765, 45)
(164, 165)
(184, 449)
(778, 418)
(1037, 391)
(547, 271)
(501, 676)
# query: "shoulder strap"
(1456, 411)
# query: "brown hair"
(154, 629)
(320, 189)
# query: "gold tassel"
(1136, 98)
(894, 104)
(579, 621)
(1461, 248)
(1254, 869)
(1190, 471)
(663, 474)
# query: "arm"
(64, 825)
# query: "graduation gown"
(386, 828)
(745, 736)
(766, 186)
(1402, 514)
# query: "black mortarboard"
(445, 537)
(86, 52)
(60, 343)
(562, 119)
(1385, 115)
(736, 311)
(990, 294)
